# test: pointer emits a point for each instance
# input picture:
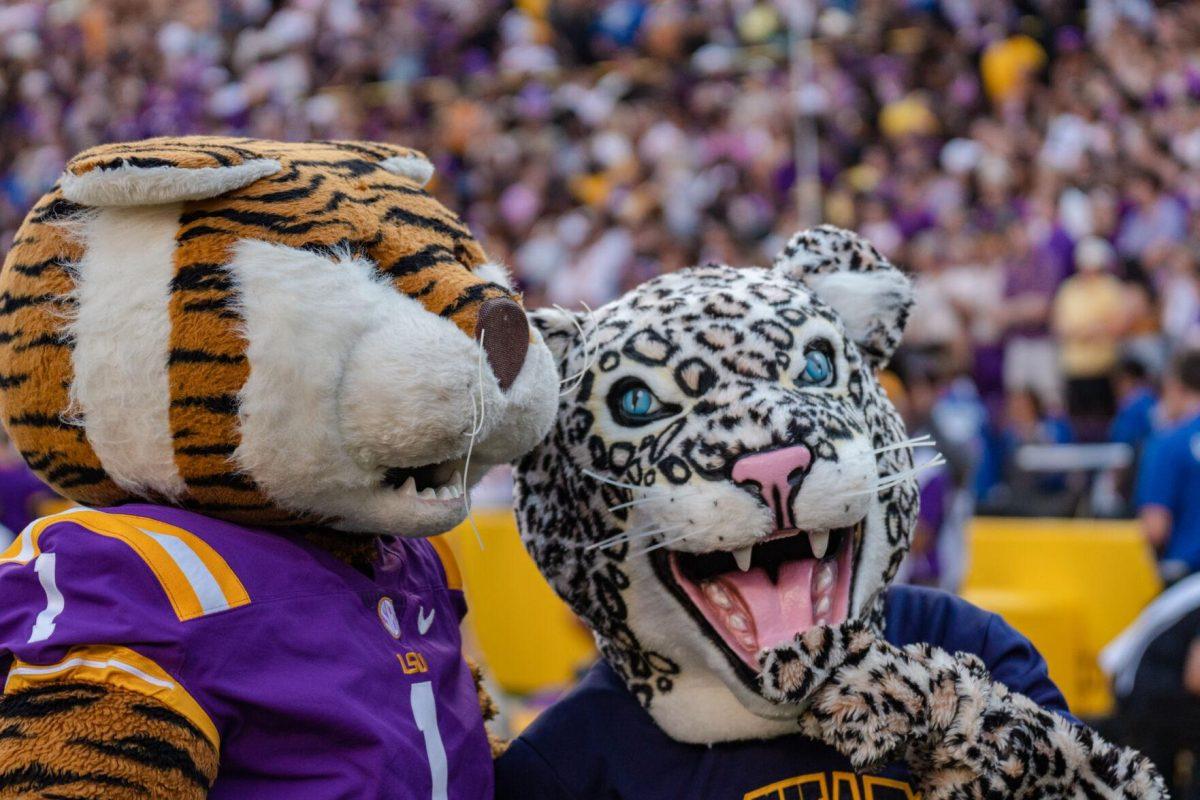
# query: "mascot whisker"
(725, 501)
(266, 372)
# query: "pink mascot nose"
(778, 474)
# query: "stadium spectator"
(949, 414)
(1030, 352)
(1177, 268)
(1155, 666)
(1156, 219)
(1136, 400)
(1143, 340)
(596, 144)
(1169, 478)
(1089, 319)
(1026, 421)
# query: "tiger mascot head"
(270, 333)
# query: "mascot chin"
(264, 371)
(724, 499)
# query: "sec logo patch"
(387, 615)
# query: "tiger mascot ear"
(871, 295)
(158, 171)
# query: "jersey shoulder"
(91, 575)
(583, 720)
(916, 614)
(110, 597)
(1177, 441)
(445, 561)
(920, 614)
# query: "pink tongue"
(780, 610)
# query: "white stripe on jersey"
(198, 576)
(71, 663)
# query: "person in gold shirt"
(1089, 319)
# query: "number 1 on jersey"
(43, 626)
(425, 712)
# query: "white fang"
(742, 556)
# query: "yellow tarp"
(1070, 585)
(528, 638)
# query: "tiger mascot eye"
(265, 372)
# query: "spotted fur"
(965, 736)
(724, 344)
(721, 347)
(822, 255)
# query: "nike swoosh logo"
(423, 622)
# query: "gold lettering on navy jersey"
(875, 788)
(845, 786)
(834, 786)
(412, 662)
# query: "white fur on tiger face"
(275, 333)
(720, 479)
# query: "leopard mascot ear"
(870, 294)
(560, 329)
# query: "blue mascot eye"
(633, 404)
(817, 369)
(638, 402)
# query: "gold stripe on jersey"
(195, 578)
(449, 563)
(117, 667)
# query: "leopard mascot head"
(724, 472)
(270, 333)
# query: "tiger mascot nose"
(503, 332)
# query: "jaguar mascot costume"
(725, 499)
(263, 371)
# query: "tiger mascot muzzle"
(270, 333)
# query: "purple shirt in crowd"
(319, 681)
(21, 492)
(1038, 272)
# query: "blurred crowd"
(1032, 163)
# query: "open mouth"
(763, 595)
(442, 481)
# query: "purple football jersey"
(317, 681)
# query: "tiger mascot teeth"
(265, 371)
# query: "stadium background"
(1033, 164)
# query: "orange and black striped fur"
(85, 740)
(327, 196)
(137, 363)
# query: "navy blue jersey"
(598, 742)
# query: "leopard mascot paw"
(965, 735)
(725, 499)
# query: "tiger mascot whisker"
(266, 372)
